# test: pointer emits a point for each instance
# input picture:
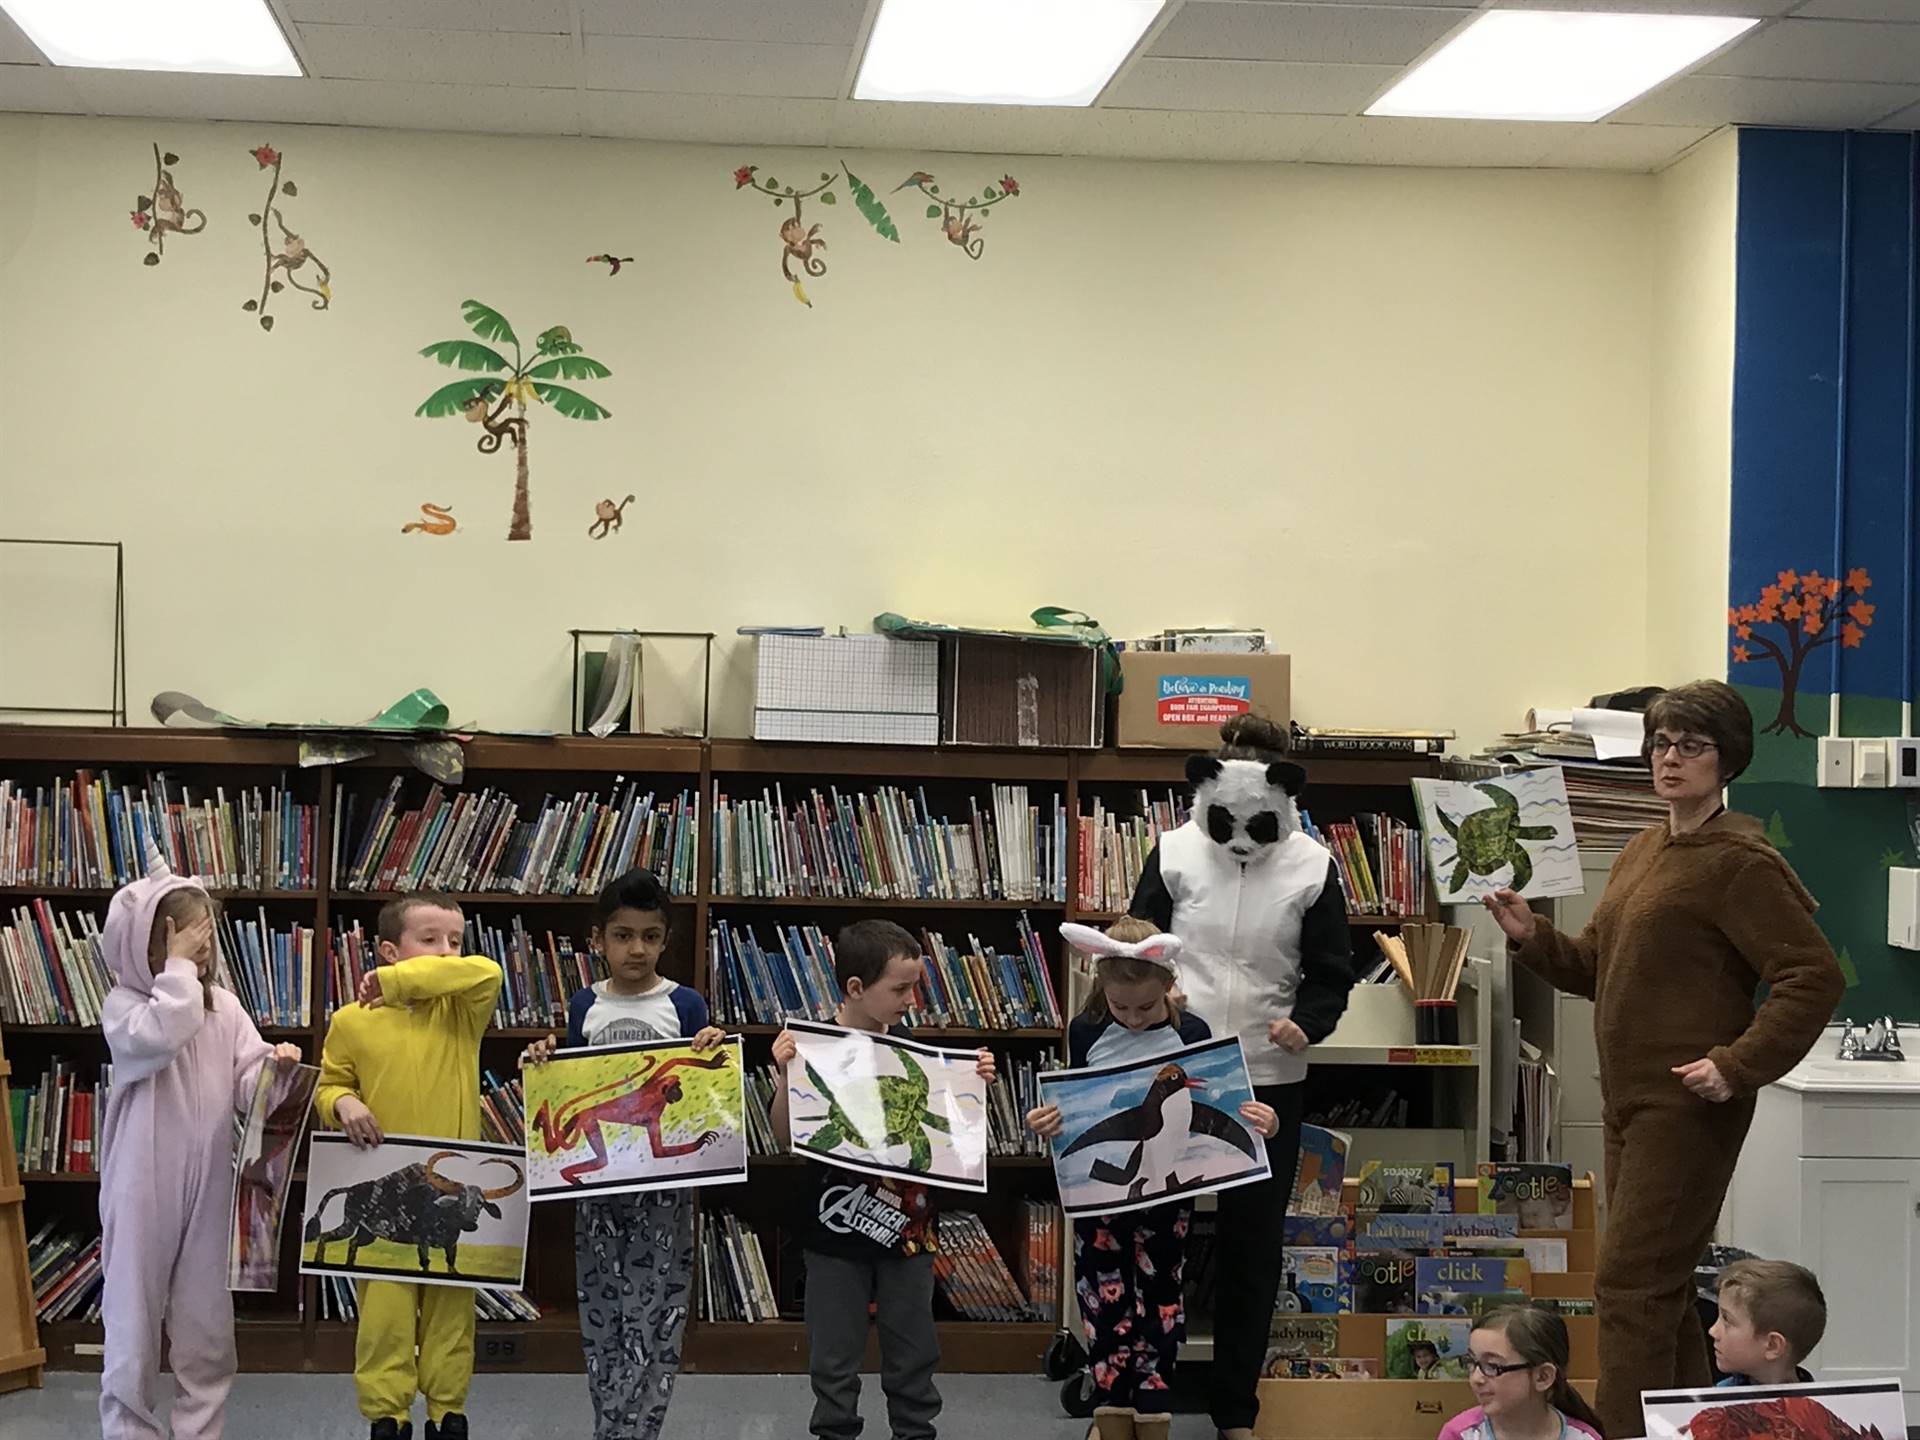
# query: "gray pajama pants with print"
(633, 1257)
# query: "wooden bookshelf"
(293, 1338)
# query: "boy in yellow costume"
(406, 1059)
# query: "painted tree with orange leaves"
(1812, 610)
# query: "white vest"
(1239, 929)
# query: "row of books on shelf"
(52, 971)
(90, 832)
(338, 1300)
(1536, 1195)
(736, 1286)
(51, 968)
(887, 844)
(539, 973)
(1380, 860)
(973, 1276)
(1114, 848)
(64, 1263)
(970, 1274)
(976, 987)
(503, 1109)
(477, 841)
(1308, 1347)
(57, 1120)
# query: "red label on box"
(1200, 709)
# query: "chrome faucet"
(1882, 1041)
(1849, 1041)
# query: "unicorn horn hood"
(128, 930)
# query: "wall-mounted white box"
(1903, 908)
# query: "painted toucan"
(616, 261)
(1159, 1127)
(918, 179)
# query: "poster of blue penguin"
(434, 1212)
(1151, 1130)
(1511, 832)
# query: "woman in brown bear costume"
(1699, 913)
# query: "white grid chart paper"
(855, 689)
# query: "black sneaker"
(392, 1430)
(452, 1426)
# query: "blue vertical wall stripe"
(1912, 388)
(1840, 390)
(1826, 424)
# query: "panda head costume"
(1246, 806)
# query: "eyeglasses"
(1493, 1369)
(1691, 747)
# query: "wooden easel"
(22, 1361)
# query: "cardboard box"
(1179, 700)
(1031, 694)
(846, 689)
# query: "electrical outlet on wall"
(1903, 768)
(1836, 763)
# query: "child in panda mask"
(1265, 955)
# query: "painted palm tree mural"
(499, 403)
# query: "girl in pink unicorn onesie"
(185, 1061)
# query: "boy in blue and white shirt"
(633, 1307)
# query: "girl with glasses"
(1517, 1365)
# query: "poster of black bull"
(435, 1212)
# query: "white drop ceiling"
(1215, 80)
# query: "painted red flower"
(267, 156)
(1745, 632)
(1813, 624)
(1787, 579)
(141, 219)
(744, 176)
(1792, 610)
(1010, 185)
(1862, 612)
(1740, 655)
(1858, 580)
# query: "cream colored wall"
(1400, 418)
(1691, 459)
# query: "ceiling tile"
(1902, 10)
(1825, 50)
(1272, 86)
(466, 109)
(716, 67)
(967, 129)
(1622, 147)
(1326, 34)
(1390, 140)
(540, 17)
(793, 22)
(1727, 100)
(1755, 9)
(171, 95)
(15, 48)
(1169, 135)
(39, 89)
(441, 57)
(709, 119)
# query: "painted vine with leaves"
(801, 244)
(291, 256)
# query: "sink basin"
(1823, 1069)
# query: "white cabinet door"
(1857, 1233)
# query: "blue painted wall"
(1823, 430)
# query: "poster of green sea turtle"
(881, 1105)
(1511, 832)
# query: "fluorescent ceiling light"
(223, 37)
(1555, 65)
(1000, 52)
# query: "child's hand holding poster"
(1143, 1133)
(885, 1106)
(647, 1115)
